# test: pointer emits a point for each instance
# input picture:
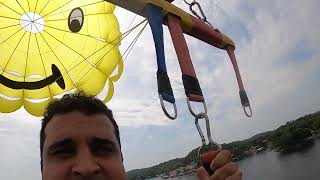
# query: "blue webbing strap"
(153, 13)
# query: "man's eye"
(102, 149)
(62, 152)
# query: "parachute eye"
(75, 20)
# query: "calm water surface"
(270, 165)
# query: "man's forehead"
(76, 123)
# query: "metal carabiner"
(211, 142)
(203, 17)
(165, 110)
(196, 114)
(188, 2)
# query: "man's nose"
(86, 164)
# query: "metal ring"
(196, 114)
(165, 110)
(245, 110)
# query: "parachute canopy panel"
(48, 48)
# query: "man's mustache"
(92, 177)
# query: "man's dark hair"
(87, 105)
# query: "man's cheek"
(55, 171)
(114, 168)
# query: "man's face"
(79, 147)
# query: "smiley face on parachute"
(48, 48)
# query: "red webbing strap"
(205, 33)
(191, 85)
(242, 92)
(230, 51)
(180, 45)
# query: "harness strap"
(153, 13)
(191, 84)
(242, 92)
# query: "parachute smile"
(55, 77)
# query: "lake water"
(270, 165)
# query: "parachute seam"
(44, 68)
(13, 53)
(25, 67)
(76, 86)
(10, 8)
(79, 6)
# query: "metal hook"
(165, 110)
(210, 140)
(203, 140)
(203, 17)
(197, 114)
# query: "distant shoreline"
(292, 137)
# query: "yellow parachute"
(49, 48)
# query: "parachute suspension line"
(153, 13)
(121, 37)
(120, 62)
(130, 47)
(134, 18)
(114, 46)
(74, 51)
(137, 37)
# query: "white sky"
(278, 54)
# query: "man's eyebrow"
(61, 143)
(102, 141)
